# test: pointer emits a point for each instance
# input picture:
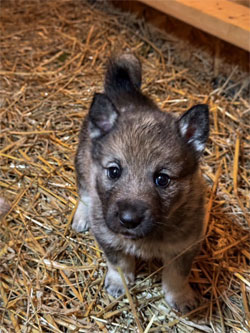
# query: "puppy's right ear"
(102, 116)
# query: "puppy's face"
(144, 173)
(144, 159)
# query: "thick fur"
(125, 130)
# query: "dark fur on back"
(139, 180)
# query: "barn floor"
(53, 56)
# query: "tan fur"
(126, 131)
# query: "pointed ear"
(194, 127)
(102, 116)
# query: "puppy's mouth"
(131, 234)
(128, 235)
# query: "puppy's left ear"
(194, 127)
(102, 116)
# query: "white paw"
(113, 283)
(80, 220)
(183, 301)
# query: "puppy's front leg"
(113, 281)
(178, 292)
(81, 217)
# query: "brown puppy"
(138, 176)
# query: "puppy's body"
(141, 190)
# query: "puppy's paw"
(79, 224)
(184, 301)
(113, 283)
(114, 289)
(80, 220)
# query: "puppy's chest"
(151, 249)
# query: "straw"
(53, 58)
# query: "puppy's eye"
(161, 179)
(114, 172)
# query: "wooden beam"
(227, 20)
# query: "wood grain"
(224, 19)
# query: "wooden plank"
(227, 20)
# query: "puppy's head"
(145, 159)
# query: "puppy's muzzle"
(131, 213)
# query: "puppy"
(140, 187)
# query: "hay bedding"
(53, 55)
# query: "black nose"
(130, 214)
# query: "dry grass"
(53, 56)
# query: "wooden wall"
(187, 33)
